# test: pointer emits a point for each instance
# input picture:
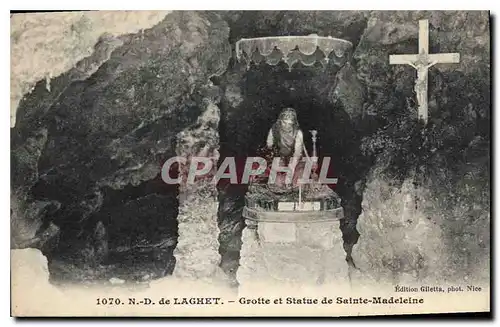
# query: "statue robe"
(289, 146)
(286, 144)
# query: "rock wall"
(441, 170)
(409, 246)
(415, 233)
(45, 45)
(197, 250)
(103, 129)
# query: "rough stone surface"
(292, 253)
(409, 243)
(197, 250)
(277, 233)
(443, 170)
(104, 130)
(416, 235)
(251, 264)
(45, 45)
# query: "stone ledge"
(293, 216)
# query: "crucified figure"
(422, 67)
(422, 61)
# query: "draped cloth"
(284, 141)
(291, 49)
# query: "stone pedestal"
(301, 253)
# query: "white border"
(253, 5)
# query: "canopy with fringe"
(291, 49)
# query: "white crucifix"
(422, 62)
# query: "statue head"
(287, 119)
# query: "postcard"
(250, 163)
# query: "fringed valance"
(291, 49)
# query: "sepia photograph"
(250, 163)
